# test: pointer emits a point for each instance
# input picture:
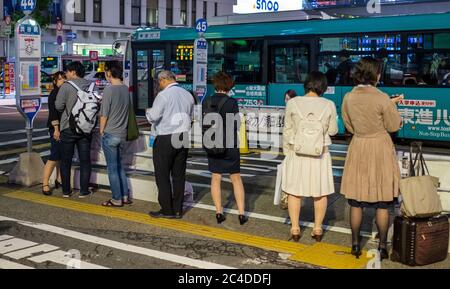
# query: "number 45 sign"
(27, 5)
(201, 25)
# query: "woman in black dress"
(54, 117)
(229, 161)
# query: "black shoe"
(243, 219)
(67, 195)
(220, 218)
(159, 214)
(46, 193)
(83, 196)
(57, 184)
(383, 253)
(356, 251)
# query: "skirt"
(55, 148)
(228, 163)
(305, 176)
(371, 172)
(377, 205)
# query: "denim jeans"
(116, 173)
(83, 143)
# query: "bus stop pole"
(29, 130)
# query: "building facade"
(98, 23)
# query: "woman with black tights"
(371, 173)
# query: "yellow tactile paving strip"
(319, 254)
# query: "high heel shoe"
(295, 235)
(57, 184)
(46, 193)
(356, 251)
(243, 219)
(317, 237)
(383, 253)
(220, 218)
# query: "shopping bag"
(420, 197)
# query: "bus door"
(148, 61)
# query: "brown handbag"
(419, 191)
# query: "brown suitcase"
(419, 242)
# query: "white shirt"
(172, 111)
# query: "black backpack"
(209, 107)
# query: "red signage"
(93, 55)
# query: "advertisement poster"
(9, 79)
(31, 78)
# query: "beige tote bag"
(419, 191)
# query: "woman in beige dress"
(307, 176)
(371, 173)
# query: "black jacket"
(54, 116)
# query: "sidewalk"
(271, 235)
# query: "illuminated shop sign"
(260, 6)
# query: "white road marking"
(15, 244)
(8, 113)
(29, 252)
(120, 246)
(207, 174)
(21, 131)
(8, 107)
(5, 264)
(23, 140)
(242, 167)
(5, 237)
(63, 258)
(13, 160)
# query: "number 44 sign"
(27, 5)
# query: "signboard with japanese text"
(29, 39)
(250, 95)
(246, 95)
(9, 78)
(200, 67)
(153, 35)
(425, 113)
(30, 107)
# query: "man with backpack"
(79, 104)
(171, 117)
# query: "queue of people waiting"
(370, 180)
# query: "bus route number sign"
(201, 25)
(27, 5)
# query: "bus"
(266, 59)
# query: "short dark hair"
(367, 71)
(77, 67)
(316, 82)
(115, 69)
(291, 93)
(222, 81)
